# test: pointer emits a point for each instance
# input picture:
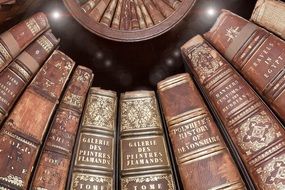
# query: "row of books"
(129, 14)
(58, 132)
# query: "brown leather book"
(256, 133)
(109, 13)
(89, 5)
(154, 12)
(53, 166)
(98, 11)
(271, 15)
(173, 3)
(256, 53)
(141, 20)
(125, 23)
(95, 155)
(117, 17)
(145, 13)
(163, 7)
(145, 162)
(16, 39)
(134, 21)
(19, 73)
(24, 129)
(203, 159)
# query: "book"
(89, 5)
(53, 166)
(16, 39)
(98, 11)
(125, 23)
(270, 15)
(134, 16)
(257, 54)
(109, 13)
(95, 155)
(204, 162)
(163, 7)
(144, 159)
(117, 17)
(153, 11)
(15, 77)
(23, 132)
(255, 131)
(145, 14)
(173, 3)
(141, 20)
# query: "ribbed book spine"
(16, 39)
(203, 159)
(256, 53)
(95, 156)
(53, 166)
(24, 129)
(256, 133)
(19, 73)
(144, 159)
(271, 15)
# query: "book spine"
(125, 23)
(117, 16)
(155, 14)
(145, 13)
(140, 15)
(271, 15)
(16, 39)
(109, 13)
(53, 166)
(18, 74)
(195, 137)
(89, 5)
(173, 3)
(256, 53)
(99, 10)
(253, 128)
(95, 155)
(24, 129)
(134, 21)
(164, 8)
(144, 155)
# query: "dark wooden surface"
(123, 66)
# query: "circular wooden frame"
(129, 35)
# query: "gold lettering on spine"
(45, 43)
(5, 53)
(84, 181)
(22, 71)
(33, 26)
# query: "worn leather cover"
(271, 15)
(13, 41)
(256, 53)
(144, 159)
(253, 128)
(24, 129)
(203, 159)
(95, 157)
(18, 74)
(53, 166)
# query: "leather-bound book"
(140, 15)
(271, 15)
(98, 11)
(89, 5)
(256, 53)
(16, 39)
(19, 73)
(203, 159)
(53, 166)
(173, 3)
(154, 12)
(117, 17)
(164, 8)
(145, 13)
(256, 133)
(109, 13)
(145, 162)
(134, 21)
(95, 155)
(24, 129)
(125, 23)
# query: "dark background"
(123, 66)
